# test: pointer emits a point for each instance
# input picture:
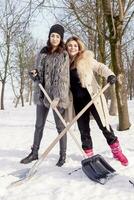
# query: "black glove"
(34, 76)
(111, 79)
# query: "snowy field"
(52, 182)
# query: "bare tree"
(13, 20)
(117, 23)
(23, 61)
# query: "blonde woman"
(84, 86)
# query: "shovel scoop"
(97, 169)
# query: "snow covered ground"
(52, 182)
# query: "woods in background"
(104, 25)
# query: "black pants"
(84, 123)
(41, 115)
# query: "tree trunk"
(101, 27)
(17, 101)
(113, 104)
(21, 97)
(22, 89)
(115, 26)
(2, 95)
(121, 91)
(30, 93)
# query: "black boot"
(61, 160)
(32, 156)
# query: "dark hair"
(59, 49)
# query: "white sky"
(40, 27)
(45, 19)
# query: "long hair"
(81, 47)
(59, 49)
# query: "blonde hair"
(81, 46)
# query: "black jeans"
(41, 115)
(84, 123)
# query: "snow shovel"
(97, 169)
(67, 127)
(33, 170)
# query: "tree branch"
(127, 23)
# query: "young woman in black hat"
(53, 68)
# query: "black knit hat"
(57, 28)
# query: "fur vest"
(54, 73)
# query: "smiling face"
(72, 48)
(55, 39)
